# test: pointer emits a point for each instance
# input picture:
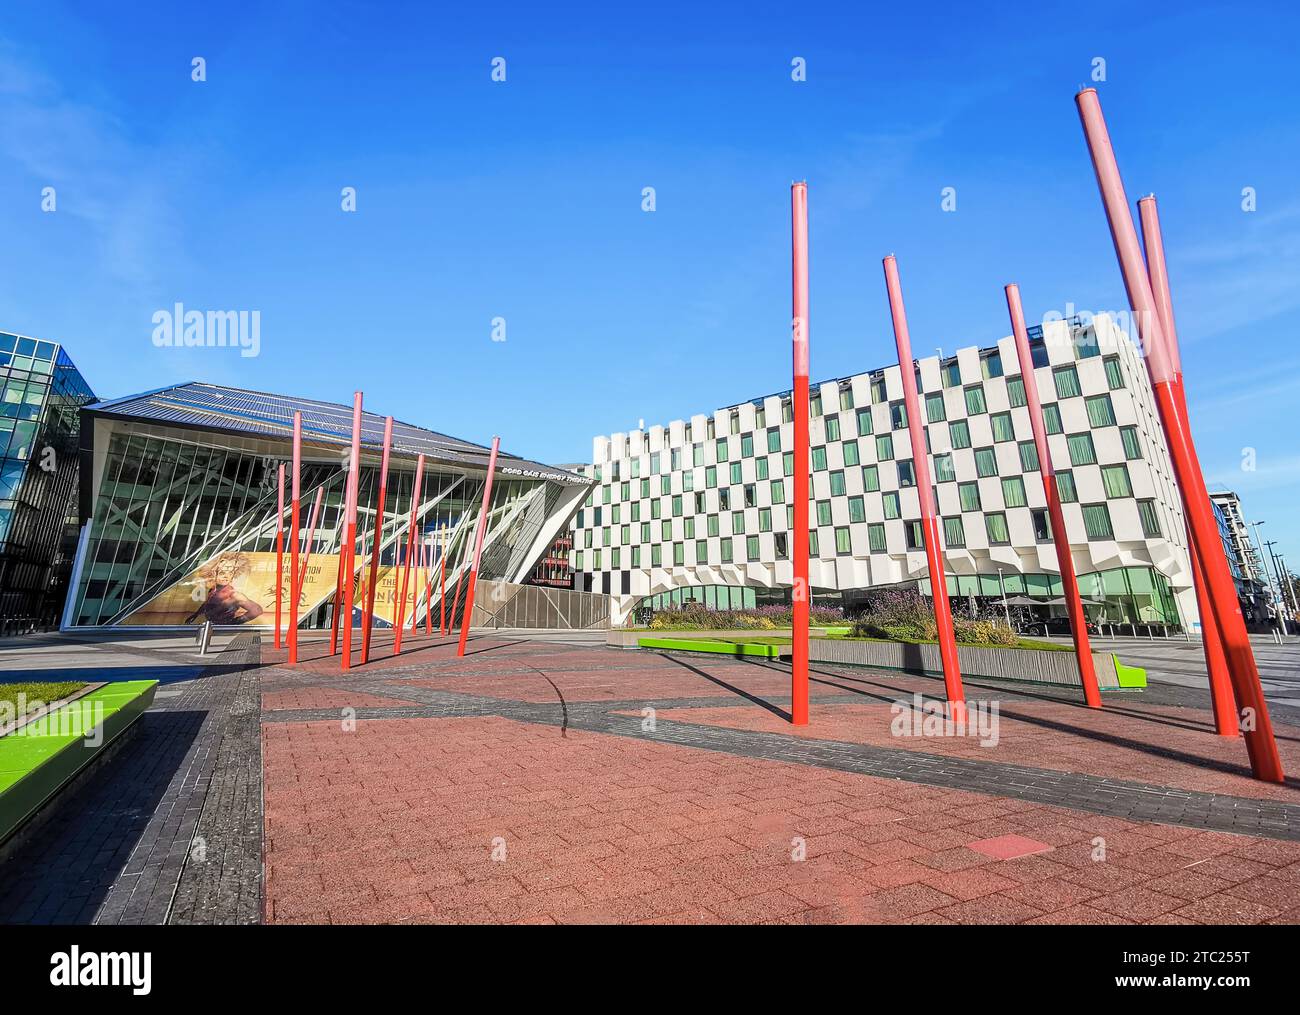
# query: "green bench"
(718, 646)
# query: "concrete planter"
(1030, 665)
(1025, 665)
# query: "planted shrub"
(903, 615)
(697, 616)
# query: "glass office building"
(41, 392)
(180, 509)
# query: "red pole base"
(1216, 663)
(1257, 727)
(469, 613)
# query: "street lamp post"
(1282, 605)
(1006, 610)
(1290, 585)
(1268, 579)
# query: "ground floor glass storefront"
(1124, 595)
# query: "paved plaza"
(550, 779)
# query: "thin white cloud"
(1230, 283)
(101, 176)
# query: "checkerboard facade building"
(701, 509)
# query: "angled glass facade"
(41, 392)
(183, 516)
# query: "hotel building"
(700, 509)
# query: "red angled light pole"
(478, 545)
(801, 592)
(369, 619)
(354, 482)
(311, 535)
(415, 586)
(1060, 537)
(1256, 725)
(442, 579)
(279, 555)
(399, 617)
(295, 590)
(428, 588)
(458, 587)
(925, 495)
(1216, 662)
(338, 579)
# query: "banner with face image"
(236, 588)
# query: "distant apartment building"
(1252, 581)
(701, 509)
(555, 569)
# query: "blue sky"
(522, 199)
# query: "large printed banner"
(239, 588)
(236, 588)
(387, 588)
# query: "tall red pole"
(458, 588)
(354, 485)
(338, 580)
(279, 555)
(1216, 662)
(428, 588)
(415, 586)
(369, 618)
(925, 496)
(478, 545)
(1061, 538)
(295, 590)
(442, 578)
(399, 618)
(801, 592)
(311, 535)
(1256, 726)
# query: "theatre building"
(179, 506)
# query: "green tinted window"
(1082, 451)
(1067, 381)
(1096, 520)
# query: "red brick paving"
(1008, 847)
(323, 697)
(599, 675)
(395, 822)
(1120, 741)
